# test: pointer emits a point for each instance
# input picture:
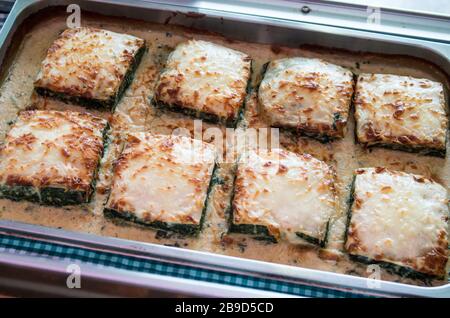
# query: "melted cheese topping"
(393, 109)
(88, 62)
(286, 192)
(308, 94)
(52, 149)
(399, 218)
(205, 77)
(162, 178)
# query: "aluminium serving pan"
(255, 28)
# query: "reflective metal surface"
(30, 276)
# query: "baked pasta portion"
(90, 67)
(401, 112)
(204, 80)
(163, 182)
(283, 195)
(52, 157)
(308, 95)
(398, 220)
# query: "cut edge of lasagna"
(417, 242)
(79, 68)
(173, 178)
(205, 80)
(52, 157)
(262, 178)
(401, 113)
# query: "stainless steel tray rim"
(167, 285)
(185, 7)
(212, 261)
(441, 49)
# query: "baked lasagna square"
(401, 112)
(163, 182)
(90, 67)
(399, 220)
(204, 80)
(283, 195)
(52, 157)
(310, 96)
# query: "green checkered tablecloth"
(22, 246)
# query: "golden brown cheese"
(400, 110)
(52, 149)
(88, 62)
(310, 95)
(399, 218)
(162, 178)
(205, 77)
(286, 192)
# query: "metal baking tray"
(264, 25)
